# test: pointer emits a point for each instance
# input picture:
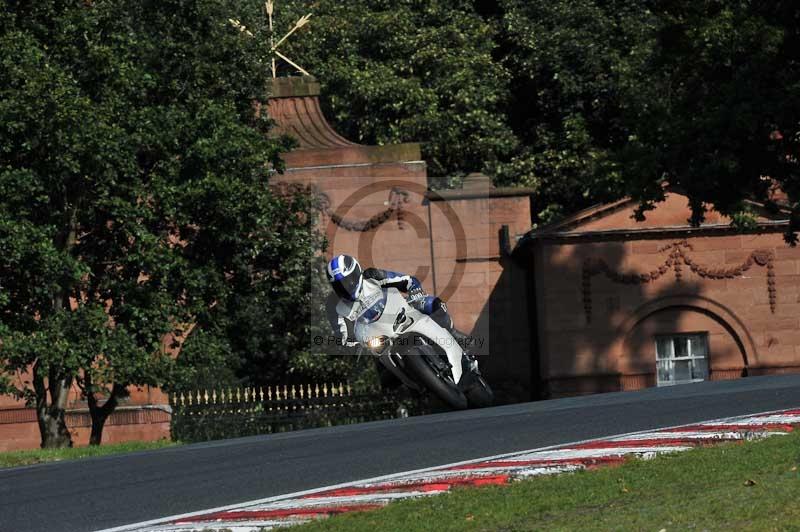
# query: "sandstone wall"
(597, 330)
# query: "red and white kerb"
(291, 509)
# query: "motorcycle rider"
(356, 291)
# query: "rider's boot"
(463, 341)
(469, 373)
(469, 364)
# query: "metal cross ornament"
(269, 7)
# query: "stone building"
(377, 207)
(622, 305)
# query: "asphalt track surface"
(104, 492)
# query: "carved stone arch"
(696, 303)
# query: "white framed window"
(681, 358)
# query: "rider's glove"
(416, 294)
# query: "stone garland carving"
(676, 259)
(397, 199)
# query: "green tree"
(289, 282)
(718, 114)
(408, 71)
(526, 90)
(134, 203)
(582, 101)
(569, 60)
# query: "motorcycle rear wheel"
(419, 365)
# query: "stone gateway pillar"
(377, 207)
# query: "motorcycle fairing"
(374, 308)
(394, 304)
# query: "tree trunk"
(96, 437)
(54, 432)
(52, 425)
(100, 413)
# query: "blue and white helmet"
(344, 274)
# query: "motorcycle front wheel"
(421, 365)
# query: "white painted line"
(641, 452)
(759, 420)
(233, 526)
(511, 469)
(538, 471)
(424, 476)
(432, 477)
(693, 435)
(344, 500)
(600, 452)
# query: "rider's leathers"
(342, 313)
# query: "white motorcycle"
(421, 353)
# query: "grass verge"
(38, 456)
(731, 486)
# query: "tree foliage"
(409, 71)
(569, 61)
(134, 205)
(528, 91)
(718, 114)
(583, 101)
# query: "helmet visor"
(347, 287)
